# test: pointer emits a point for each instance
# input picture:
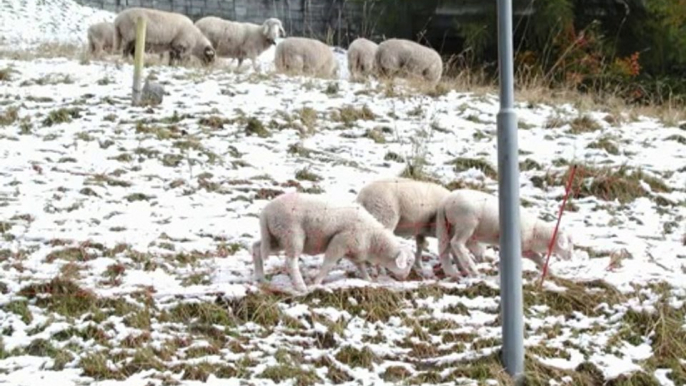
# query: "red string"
(557, 226)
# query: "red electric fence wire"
(568, 189)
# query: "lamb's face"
(401, 264)
(564, 245)
(208, 54)
(271, 28)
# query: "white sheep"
(240, 40)
(304, 55)
(165, 31)
(302, 223)
(361, 57)
(468, 218)
(405, 206)
(101, 38)
(405, 58)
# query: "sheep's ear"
(563, 241)
(401, 260)
(265, 29)
(283, 31)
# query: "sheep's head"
(271, 28)
(208, 55)
(401, 264)
(564, 245)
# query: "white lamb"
(361, 57)
(467, 218)
(165, 31)
(405, 58)
(101, 38)
(305, 55)
(240, 40)
(405, 206)
(302, 223)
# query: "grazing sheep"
(407, 207)
(406, 58)
(101, 38)
(361, 57)
(165, 31)
(467, 218)
(240, 40)
(304, 55)
(302, 223)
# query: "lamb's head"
(271, 28)
(401, 263)
(564, 245)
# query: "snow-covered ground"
(126, 232)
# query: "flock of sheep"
(212, 37)
(365, 231)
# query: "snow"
(70, 185)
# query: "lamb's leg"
(458, 245)
(538, 259)
(477, 249)
(293, 253)
(362, 267)
(258, 262)
(240, 62)
(420, 242)
(334, 252)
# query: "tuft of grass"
(19, 308)
(375, 135)
(462, 164)
(308, 116)
(349, 114)
(297, 373)
(133, 197)
(214, 122)
(606, 144)
(372, 304)
(6, 74)
(306, 175)
(62, 296)
(9, 116)
(394, 157)
(584, 124)
(354, 357)
(677, 138)
(62, 115)
(396, 374)
(70, 254)
(255, 127)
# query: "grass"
(9, 116)
(255, 127)
(354, 357)
(307, 175)
(61, 115)
(605, 143)
(462, 164)
(350, 114)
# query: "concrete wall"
(333, 21)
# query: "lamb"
(240, 40)
(406, 58)
(467, 218)
(304, 55)
(165, 31)
(303, 223)
(407, 207)
(361, 57)
(101, 38)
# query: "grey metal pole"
(511, 302)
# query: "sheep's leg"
(420, 242)
(334, 252)
(293, 253)
(458, 245)
(362, 267)
(258, 261)
(477, 249)
(538, 259)
(240, 63)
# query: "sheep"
(405, 206)
(304, 55)
(361, 57)
(304, 223)
(101, 38)
(240, 40)
(468, 218)
(165, 31)
(406, 58)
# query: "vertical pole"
(511, 303)
(138, 61)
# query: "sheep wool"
(101, 38)
(361, 57)
(240, 40)
(468, 218)
(300, 223)
(304, 55)
(405, 58)
(405, 206)
(165, 31)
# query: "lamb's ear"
(401, 260)
(563, 241)
(265, 29)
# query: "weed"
(6, 74)
(375, 135)
(255, 127)
(464, 164)
(308, 117)
(349, 114)
(606, 144)
(583, 124)
(9, 116)
(62, 115)
(306, 175)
